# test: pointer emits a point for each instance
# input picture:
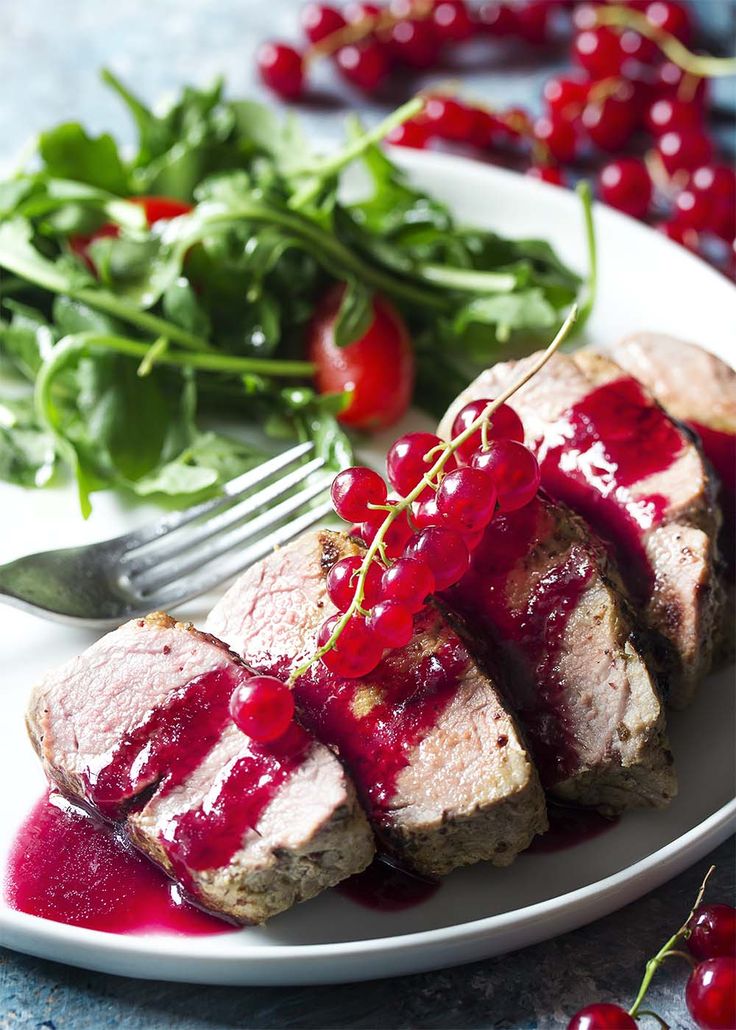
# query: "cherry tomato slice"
(379, 368)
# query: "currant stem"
(363, 28)
(376, 546)
(668, 949)
(697, 64)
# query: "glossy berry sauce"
(385, 887)
(720, 450)
(570, 825)
(594, 457)
(526, 619)
(69, 866)
(163, 750)
(375, 723)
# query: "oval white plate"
(645, 282)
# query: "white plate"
(645, 282)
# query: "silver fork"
(181, 555)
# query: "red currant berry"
(406, 461)
(319, 21)
(610, 122)
(558, 136)
(409, 582)
(717, 181)
(262, 707)
(444, 551)
(566, 95)
(391, 623)
(598, 50)
(602, 1016)
(355, 12)
(693, 210)
(467, 499)
(281, 68)
(515, 472)
(410, 134)
(397, 535)
(363, 65)
(684, 150)
(505, 425)
(451, 21)
(426, 513)
(668, 114)
(342, 580)
(546, 173)
(532, 20)
(414, 43)
(626, 185)
(710, 994)
(635, 47)
(354, 489)
(722, 220)
(686, 236)
(496, 18)
(713, 932)
(356, 652)
(670, 17)
(449, 119)
(485, 129)
(671, 80)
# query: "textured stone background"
(49, 55)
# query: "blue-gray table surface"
(50, 53)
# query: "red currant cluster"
(422, 542)
(710, 993)
(625, 94)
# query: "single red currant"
(671, 80)
(598, 51)
(426, 513)
(409, 582)
(449, 119)
(410, 134)
(451, 21)
(356, 651)
(684, 150)
(319, 21)
(686, 236)
(281, 68)
(496, 18)
(467, 499)
(670, 17)
(602, 1016)
(505, 424)
(262, 707)
(407, 461)
(532, 20)
(485, 129)
(693, 209)
(354, 489)
(515, 472)
(565, 95)
(391, 623)
(717, 181)
(546, 173)
(710, 994)
(363, 65)
(636, 47)
(626, 185)
(444, 551)
(713, 932)
(342, 580)
(558, 136)
(610, 122)
(414, 43)
(668, 114)
(722, 220)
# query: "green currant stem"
(377, 545)
(696, 64)
(668, 949)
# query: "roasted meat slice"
(138, 729)
(435, 755)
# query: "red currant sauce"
(385, 887)
(69, 866)
(529, 630)
(615, 438)
(570, 825)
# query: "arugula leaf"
(211, 459)
(527, 309)
(355, 314)
(69, 153)
(27, 452)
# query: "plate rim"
(291, 964)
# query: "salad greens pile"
(115, 355)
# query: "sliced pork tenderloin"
(138, 729)
(699, 389)
(609, 451)
(435, 755)
(542, 598)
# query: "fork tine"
(230, 491)
(236, 559)
(182, 539)
(150, 580)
